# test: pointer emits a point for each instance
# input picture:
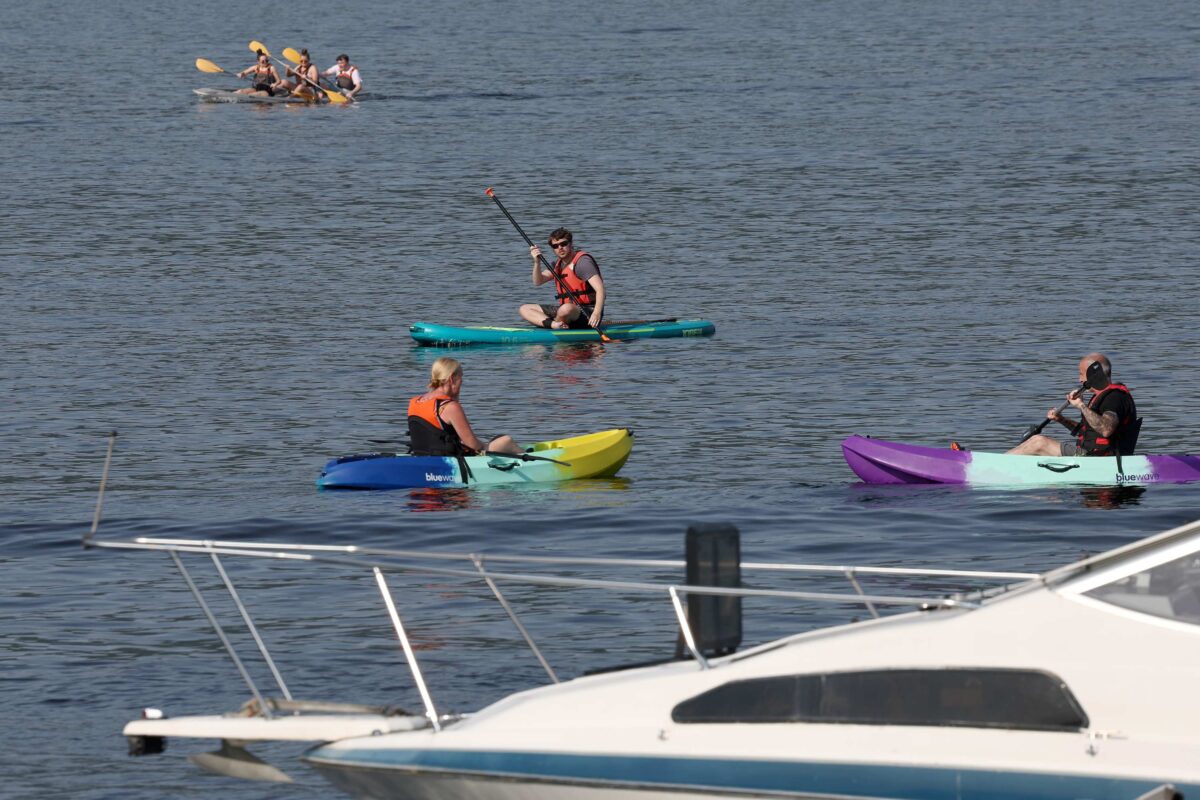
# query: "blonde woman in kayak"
(265, 77)
(437, 424)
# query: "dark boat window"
(1170, 590)
(974, 698)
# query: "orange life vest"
(428, 433)
(567, 281)
(1091, 442)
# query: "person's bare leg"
(504, 444)
(1037, 445)
(567, 313)
(533, 314)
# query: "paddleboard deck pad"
(432, 334)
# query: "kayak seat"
(1129, 438)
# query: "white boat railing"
(380, 561)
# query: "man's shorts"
(579, 322)
(1071, 449)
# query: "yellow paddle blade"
(291, 54)
(337, 98)
(256, 46)
(204, 65)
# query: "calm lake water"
(906, 220)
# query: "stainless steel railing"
(380, 561)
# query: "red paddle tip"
(490, 191)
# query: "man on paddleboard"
(1106, 417)
(577, 281)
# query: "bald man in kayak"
(1106, 417)
(580, 289)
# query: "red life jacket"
(566, 279)
(428, 433)
(1091, 442)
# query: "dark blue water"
(905, 220)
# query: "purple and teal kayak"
(878, 461)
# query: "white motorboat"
(1081, 682)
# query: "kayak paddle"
(490, 192)
(1095, 375)
(523, 457)
(334, 97)
(518, 456)
(204, 65)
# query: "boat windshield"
(1170, 589)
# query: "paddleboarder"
(265, 76)
(345, 76)
(1106, 417)
(437, 424)
(577, 280)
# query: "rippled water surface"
(906, 220)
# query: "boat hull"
(434, 335)
(593, 455)
(230, 96)
(452, 774)
(878, 461)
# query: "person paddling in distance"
(437, 424)
(1106, 422)
(265, 76)
(306, 77)
(345, 76)
(576, 277)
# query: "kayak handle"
(1059, 468)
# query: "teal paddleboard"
(432, 334)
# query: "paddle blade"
(204, 65)
(291, 54)
(256, 46)
(337, 98)
(490, 192)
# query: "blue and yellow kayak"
(432, 334)
(594, 455)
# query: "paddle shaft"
(1036, 429)
(558, 280)
(518, 456)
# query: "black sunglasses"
(557, 245)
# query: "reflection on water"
(440, 499)
(597, 485)
(919, 493)
(577, 353)
(1112, 496)
(430, 499)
